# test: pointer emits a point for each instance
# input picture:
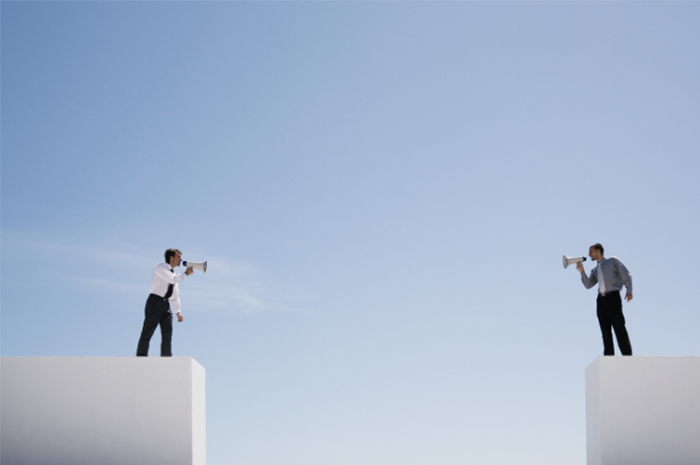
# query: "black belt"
(158, 297)
(608, 293)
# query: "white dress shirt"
(162, 278)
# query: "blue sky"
(383, 192)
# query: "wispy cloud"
(228, 285)
(239, 286)
(104, 284)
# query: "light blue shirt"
(615, 274)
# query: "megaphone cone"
(571, 260)
(199, 266)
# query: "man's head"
(173, 257)
(596, 252)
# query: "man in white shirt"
(611, 275)
(164, 291)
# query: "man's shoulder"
(616, 263)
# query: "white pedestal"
(643, 411)
(102, 410)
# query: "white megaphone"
(571, 260)
(199, 266)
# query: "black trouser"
(609, 309)
(157, 313)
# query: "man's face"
(594, 253)
(176, 259)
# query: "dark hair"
(599, 246)
(170, 253)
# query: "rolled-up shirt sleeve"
(168, 276)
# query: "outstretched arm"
(170, 277)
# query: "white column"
(102, 410)
(643, 411)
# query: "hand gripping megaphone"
(570, 260)
(199, 266)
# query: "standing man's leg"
(605, 325)
(166, 332)
(154, 310)
(618, 322)
(150, 321)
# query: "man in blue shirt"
(610, 274)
